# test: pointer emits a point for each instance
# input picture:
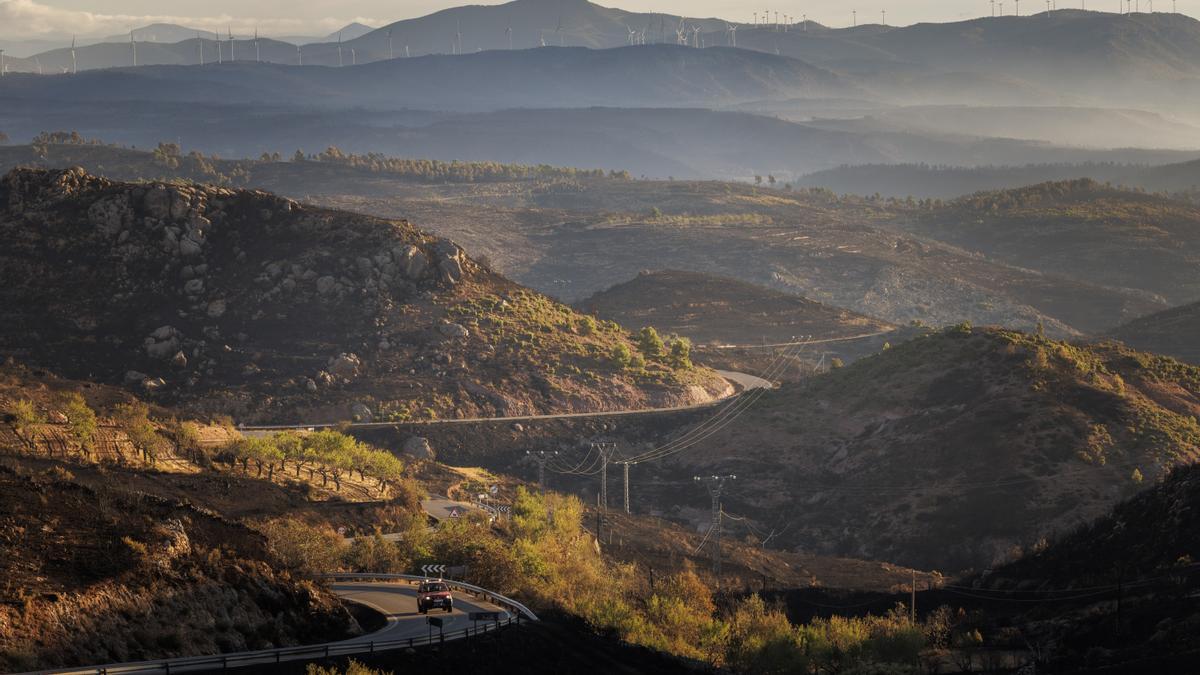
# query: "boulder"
(449, 260)
(310, 385)
(359, 412)
(133, 376)
(157, 202)
(216, 309)
(344, 365)
(325, 285)
(193, 286)
(454, 330)
(179, 360)
(413, 262)
(418, 448)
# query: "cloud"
(27, 19)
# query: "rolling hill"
(253, 305)
(1174, 331)
(654, 75)
(1072, 56)
(714, 309)
(948, 450)
(1081, 229)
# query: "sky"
(31, 19)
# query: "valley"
(859, 341)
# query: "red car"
(434, 594)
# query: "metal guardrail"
(327, 650)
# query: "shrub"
(303, 548)
(681, 354)
(650, 344)
(621, 356)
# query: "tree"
(681, 353)
(81, 421)
(650, 344)
(185, 437)
(25, 421)
(3, 138)
(134, 420)
(757, 180)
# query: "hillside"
(638, 76)
(1173, 331)
(253, 305)
(72, 551)
(948, 182)
(952, 450)
(1081, 229)
(713, 309)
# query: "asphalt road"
(398, 602)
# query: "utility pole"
(715, 485)
(625, 471)
(913, 604)
(606, 451)
(541, 457)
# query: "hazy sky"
(35, 18)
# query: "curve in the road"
(744, 381)
(397, 601)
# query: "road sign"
(434, 621)
(504, 509)
(455, 512)
(494, 489)
(342, 531)
(484, 616)
(433, 570)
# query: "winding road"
(397, 601)
(743, 382)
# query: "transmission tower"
(541, 457)
(715, 485)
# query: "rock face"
(418, 448)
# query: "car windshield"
(434, 588)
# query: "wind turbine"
(391, 55)
(74, 68)
(217, 39)
(696, 36)
(133, 48)
(1018, 4)
(558, 31)
(3, 69)
(339, 49)
(299, 56)
(199, 47)
(632, 34)
(458, 35)
(257, 57)
(993, 8)
(508, 34)
(854, 17)
(353, 57)
(884, 17)
(731, 33)
(232, 58)
(37, 62)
